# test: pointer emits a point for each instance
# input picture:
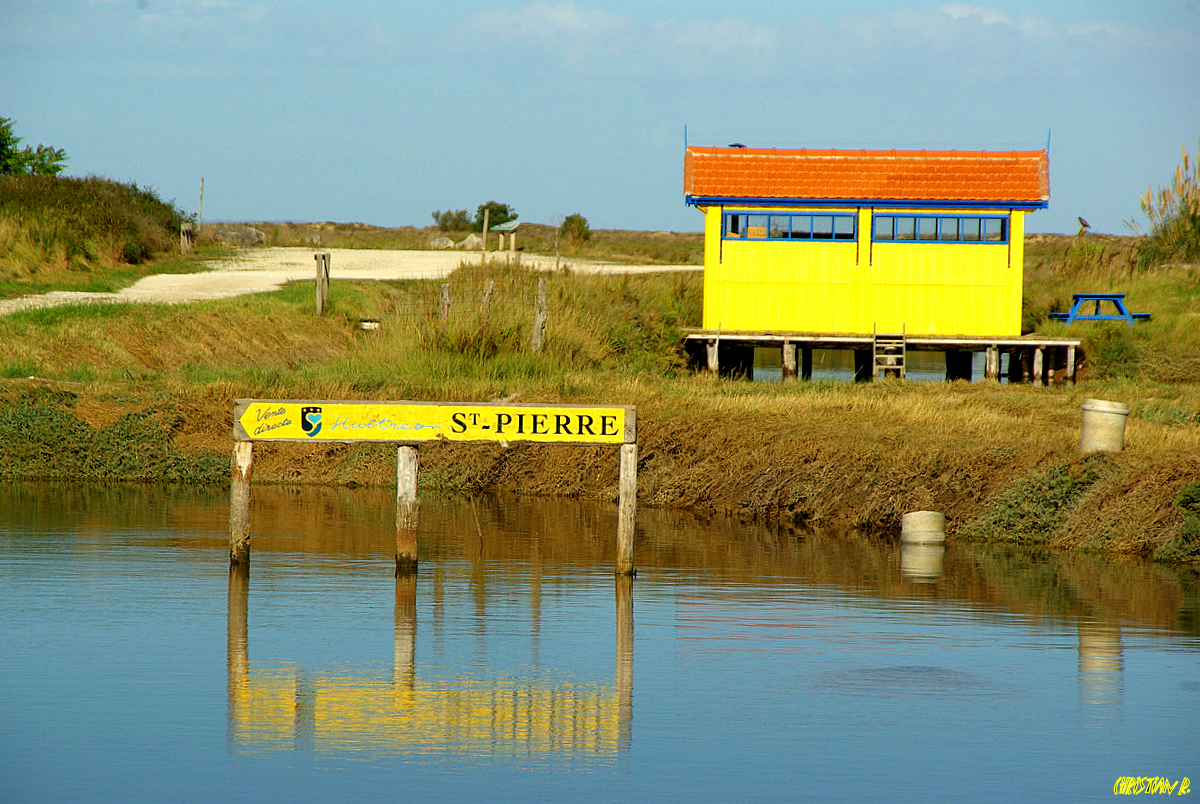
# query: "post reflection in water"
(1100, 670)
(283, 708)
(922, 563)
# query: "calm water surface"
(742, 664)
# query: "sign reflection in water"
(278, 708)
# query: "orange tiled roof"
(1021, 177)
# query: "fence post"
(485, 304)
(186, 238)
(323, 259)
(444, 305)
(539, 317)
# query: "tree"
(497, 214)
(452, 220)
(575, 230)
(28, 161)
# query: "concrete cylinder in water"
(1103, 426)
(927, 527)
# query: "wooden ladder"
(890, 354)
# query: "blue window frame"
(940, 228)
(832, 226)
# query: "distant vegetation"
(73, 234)
(1174, 213)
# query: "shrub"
(575, 230)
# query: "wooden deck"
(1032, 359)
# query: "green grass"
(87, 234)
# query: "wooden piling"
(1039, 377)
(408, 509)
(242, 466)
(711, 353)
(539, 317)
(627, 509)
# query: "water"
(744, 663)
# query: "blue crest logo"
(310, 420)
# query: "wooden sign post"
(408, 424)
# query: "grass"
(87, 234)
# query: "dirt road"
(265, 269)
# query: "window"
(790, 226)
(945, 229)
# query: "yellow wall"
(859, 286)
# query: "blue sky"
(382, 112)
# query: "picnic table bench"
(1118, 301)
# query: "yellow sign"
(308, 420)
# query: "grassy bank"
(122, 392)
(87, 234)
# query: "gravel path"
(265, 269)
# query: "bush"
(575, 230)
(452, 220)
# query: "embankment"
(1002, 463)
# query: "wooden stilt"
(789, 361)
(711, 349)
(627, 509)
(242, 466)
(1071, 365)
(1038, 363)
(408, 509)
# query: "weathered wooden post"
(539, 317)
(444, 306)
(789, 361)
(408, 510)
(322, 259)
(483, 246)
(485, 304)
(627, 509)
(186, 238)
(1039, 373)
(242, 466)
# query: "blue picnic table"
(1118, 301)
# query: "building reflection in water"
(282, 708)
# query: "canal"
(743, 663)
